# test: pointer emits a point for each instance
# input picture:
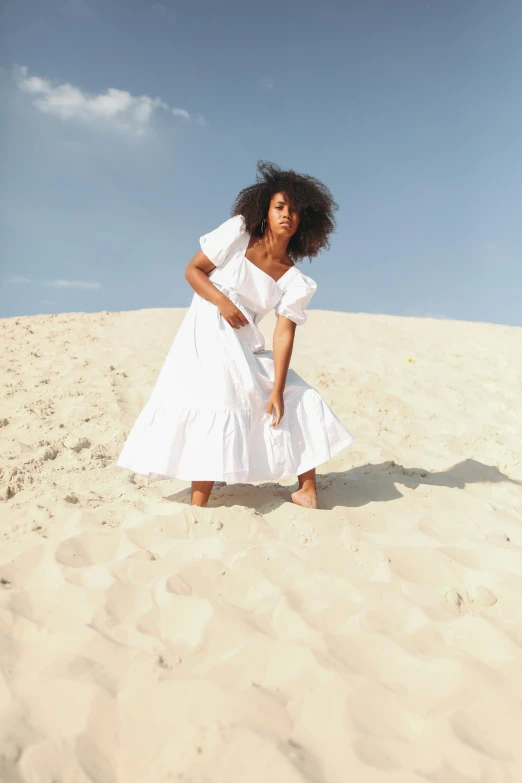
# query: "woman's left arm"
(283, 343)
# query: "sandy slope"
(378, 638)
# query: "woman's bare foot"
(201, 492)
(306, 495)
(306, 499)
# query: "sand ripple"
(375, 639)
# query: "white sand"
(378, 638)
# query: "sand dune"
(378, 638)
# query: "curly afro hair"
(313, 201)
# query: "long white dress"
(206, 417)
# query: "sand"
(378, 638)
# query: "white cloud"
(267, 83)
(70, 284)
(116, 109)
(165, 11)
(16, 280)
(79, 10)
(181, 113)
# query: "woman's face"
(283, 217)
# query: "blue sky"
(130, 126)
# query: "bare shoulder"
(300, 278)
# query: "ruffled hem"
(233, 445)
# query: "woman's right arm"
(196, 273)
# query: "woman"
(224, 408)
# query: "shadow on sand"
(371, 483)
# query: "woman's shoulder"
(299, 280)
(220, 243)
(298, 291)
(237, 222)
(231, 228)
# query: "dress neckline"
(251, 263)
(266, 273)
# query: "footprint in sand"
(457, 598)
(89, 549)
(484, 597)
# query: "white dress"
(206, 417)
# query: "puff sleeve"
(217, 243)
(294, 300)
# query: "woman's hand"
(276, 404)
(232, 314)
